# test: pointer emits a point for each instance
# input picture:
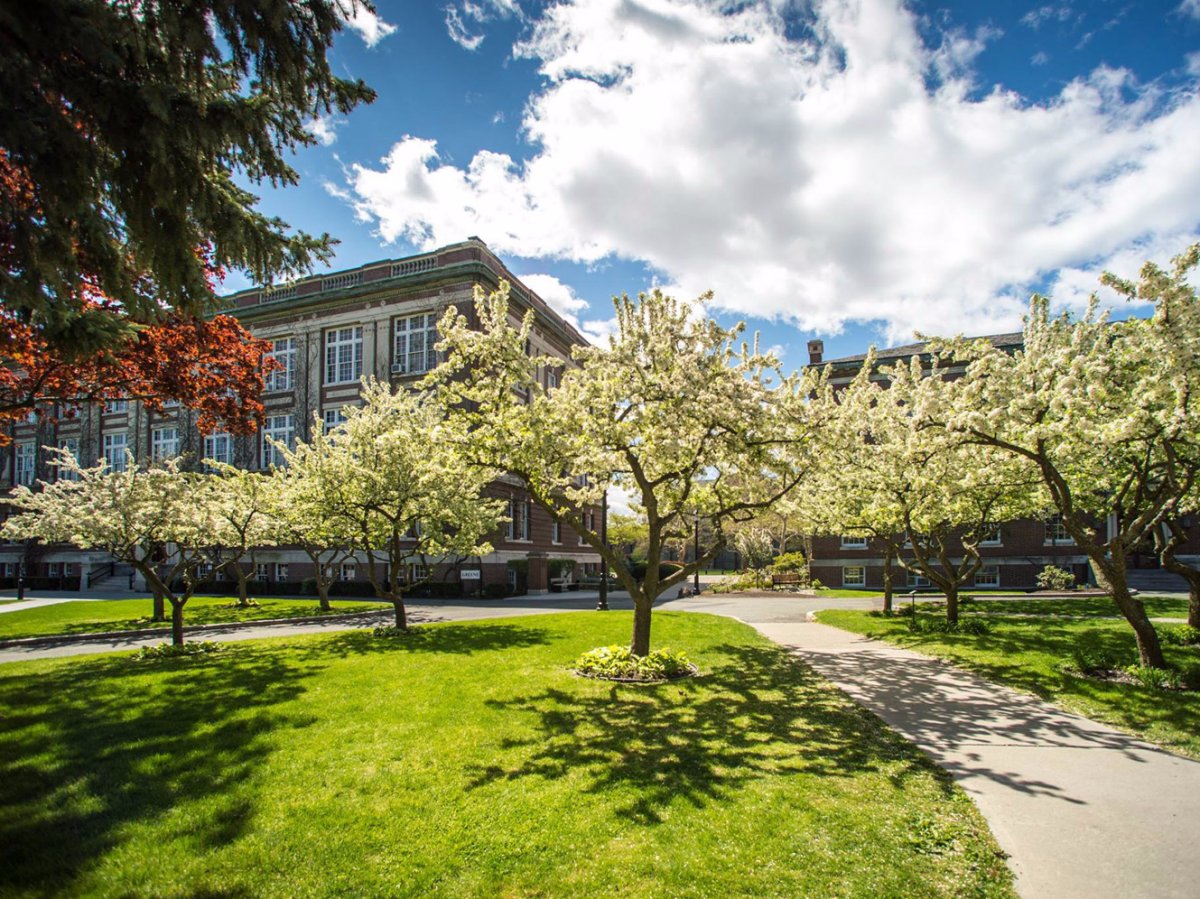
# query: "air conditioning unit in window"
(398, 368)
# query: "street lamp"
(696, 552)
(602, 605)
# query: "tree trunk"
(176, 622)
(952, 604)
(1189, 574)
(160, 606)
(323, 596)
(640, 644)
(401, 614)
(1111, 577)
(887, 582)
(243, 586)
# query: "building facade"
(327, 332)
(1017, 551)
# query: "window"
(417, 573)
(26, 458)
(854, 576)
(70, 445)
(988, 576)
(551, 379)
(587, 526)
(343, 355)
(854, 542)
(281, 571)
(556, 531)
(68, 569)
(114, 406)
(349, 571)
(8, 569)
(334, 418)
(283, 351)
(917, 580)
(518, 519)
(991, 538)
(219, 448)
(1056, 533)
(204, 570)
(115, 456)
(262, 572)
(414, 350)
(164, 444)
(282, 429)
(53, 569)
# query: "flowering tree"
(297, 518)
(393, 478)
(241, 513)
(131, 514)
(1107, 412)
(928, 496)
(673, 410)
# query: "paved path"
(1083, 810)
(22, 604)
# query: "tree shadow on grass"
(91, 748)
(756, 714)
(454, 639)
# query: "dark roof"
(1003, 341)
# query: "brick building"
(1011, 559)
(328, 332)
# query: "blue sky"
(845, 170)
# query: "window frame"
(25, 463)
(116, 461)
(343, 352)
(158, 442)
(270, 455)
(988, 583)
(427, 356)
(285, 378)
(853, 541)
(861, 582)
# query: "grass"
(81, 617)
(1082, 607)
(1029, 653)
(466, 760)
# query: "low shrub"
(1093, 658)
(1156, 678)
(1053, 578)
(619, 663)
(1180, 635)
(972, 626)
(172, 651)
(905, 611)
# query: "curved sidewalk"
(1083, 810)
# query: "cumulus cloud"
(1190, 8)
(368, 25)
(856, 174)
(324, 129)
(560, 296)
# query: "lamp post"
(602, 605)
(696, 552)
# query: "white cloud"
(560, 296)
(819, 182)
(324, 129)
(370, 27)
(465, 19)
(1190, 8)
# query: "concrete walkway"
(1083, 810)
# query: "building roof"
(1001, 341)
(470, 258)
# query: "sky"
(849, 170)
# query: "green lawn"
(1082, 606)
(1028, 653)
(468, 761)
(131, 614)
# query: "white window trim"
(25, 463)
(116, 454)
(343, 352)
(404, 359)
(1066, 540)
(988, 583)
(284, 378)
(284, 433)
(853, 542)
(210, 447)
(846, 582)
(163, 448)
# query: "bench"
(564, 583)
(787, 579)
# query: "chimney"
(816, 348)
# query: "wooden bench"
(787, 579)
